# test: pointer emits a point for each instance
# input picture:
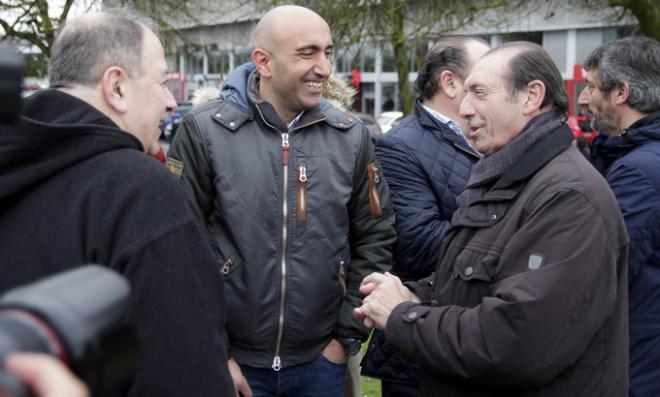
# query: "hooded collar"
(56, 131)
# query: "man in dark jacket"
(76, 187)
(530, 295)
(296, 206)
(623, 89)
(427, 161)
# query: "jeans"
(317, 378)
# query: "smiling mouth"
(317, 85)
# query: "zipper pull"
(303, 173)
(285, 148)
(277, 364)
(225, 266)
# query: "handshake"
(383, 293)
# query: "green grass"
(370, 387)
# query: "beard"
(606, 120)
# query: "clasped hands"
(383, 293)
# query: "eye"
(329, 54)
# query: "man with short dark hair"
(623, 91)
(296, 206)
(426, 160)
(529, 297)
(77, 187)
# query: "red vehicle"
(578, 114)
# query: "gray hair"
(88, 45)
(633, 61)
(448, 53)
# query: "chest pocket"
(473, 275)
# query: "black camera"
(12, 71)
(75, 316)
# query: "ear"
(113, 84)
(533, 97)
(448, 83)
(261, 59)
(620, 93)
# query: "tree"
(647, 12)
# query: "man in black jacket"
(296, 206)
(77, 187)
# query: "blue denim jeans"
(317, 378)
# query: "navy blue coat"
(631, 165)
(426, 165)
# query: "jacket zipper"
(374, 200)
(342, 278)
(301, 213)
(277, 362)
(226, 266)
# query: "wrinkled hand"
(334, 352)
(45, 375)
(240, 383)
(384, 292)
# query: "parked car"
(371, 123)
(387, 120)
(173, 119)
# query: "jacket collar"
(605, 149)
(432, 124)
(232, 114)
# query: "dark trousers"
(317, 378)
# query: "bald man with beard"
(296, 207)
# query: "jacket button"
(231, 124)
(412, 315)
(218, 115)
(493, 217)
(469, 270)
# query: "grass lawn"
(370, 387)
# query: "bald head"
(88, 44)
(277, 24)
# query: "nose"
(170, 102)
(323, 66)
(466, 110)
(583, 99)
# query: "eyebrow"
(313, 48)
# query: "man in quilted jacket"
(427, 161)
(623, 87)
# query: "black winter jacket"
(297, 219)
(74, 190)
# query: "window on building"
(389, 62)
(195, 63)
(368, 59)
(218, 62)
(534, 37)
(241, 56)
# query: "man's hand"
(334, 352)
(45, 375)
(240, 383)
(384, 292)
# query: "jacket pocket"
(301, 208)
(227, 267)
(374, 198)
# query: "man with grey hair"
(529, 296)
(623, 91)
(77, 187)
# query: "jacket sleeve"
(371, 235)
(188, 148)
(535, 323)
(419, 224)
(638, 200)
